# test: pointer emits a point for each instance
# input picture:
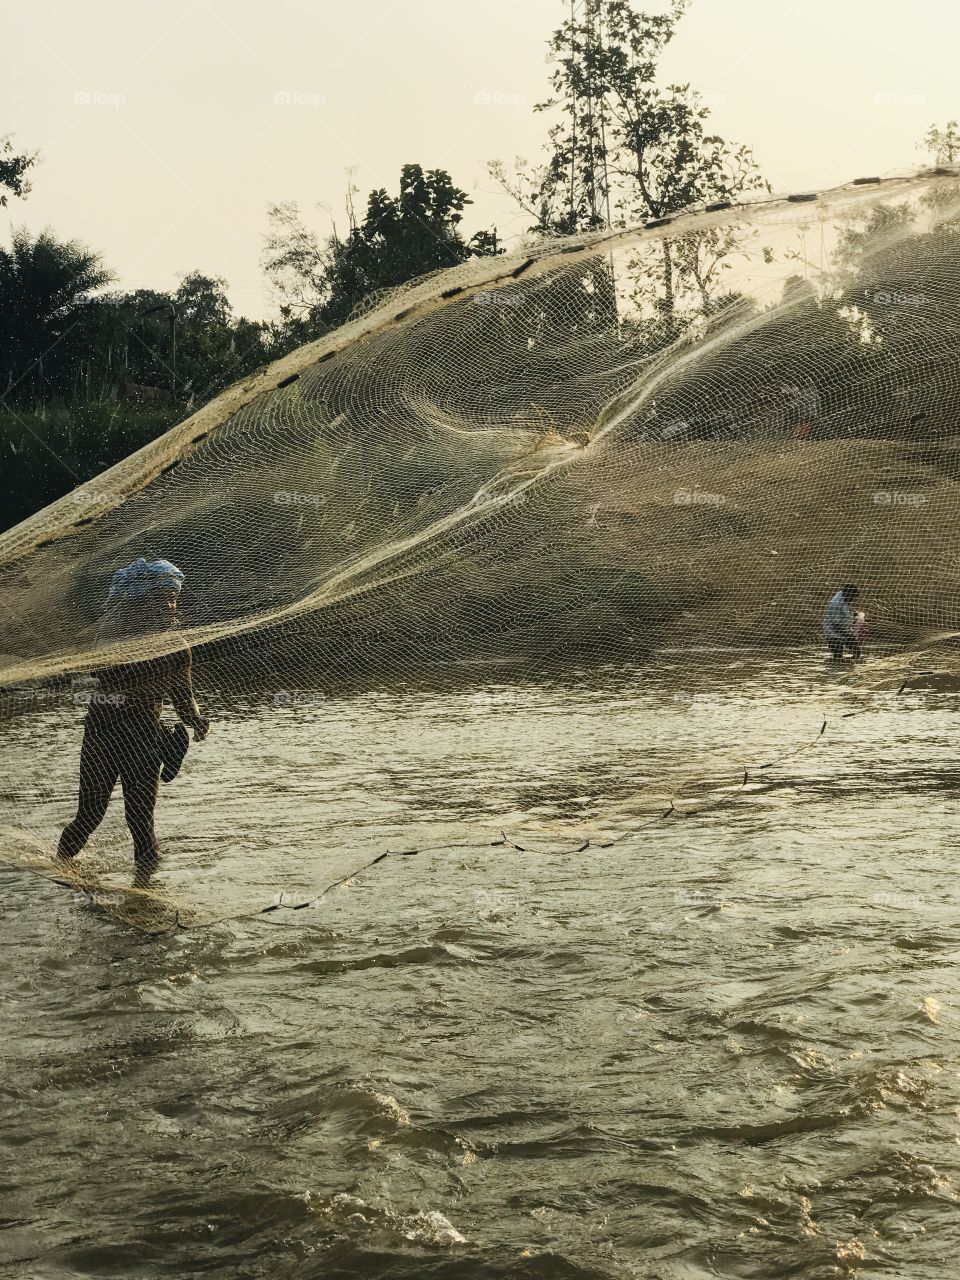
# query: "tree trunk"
(668, 294)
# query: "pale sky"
(167, 127)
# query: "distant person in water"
(843, 627)
(123, 737)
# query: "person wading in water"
(123, 737)
(843, 627)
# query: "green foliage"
(943, 144)
(871, 351)
(45, 454)
(45, 285)
(320, 284)
(62, 341)
(623, 148)
(13, 171)
(897, 274)
(88, 377)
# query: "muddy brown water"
(727, 1044)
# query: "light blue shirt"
(838, 620)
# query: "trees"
(90, 377)
(213, 346)
(13, 171)
(62, 340)
(295, 262)
(182, 346)
(45, 286)
(320, 283)
(943, 144)
(626, 150)
(661, 157)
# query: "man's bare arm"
(182, 697)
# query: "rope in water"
(672, 811)
(634, 831)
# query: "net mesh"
(684, 435)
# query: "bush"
(46, 453)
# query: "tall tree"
(45, 285)
(214, 347)
(626, 149)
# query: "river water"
(722, 1042)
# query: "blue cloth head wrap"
(137, 578)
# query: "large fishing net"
(646, 445)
